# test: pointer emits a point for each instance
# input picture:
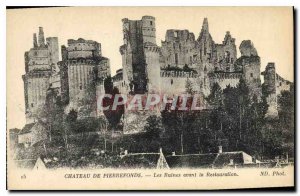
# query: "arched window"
(171, 81)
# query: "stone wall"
(174, 83)
(52, 43)
(152, 68)
(225, 54)
(282, 84)
(83, 49)
(179, 48)
(224, 79)
(81, 76)
(103, 68)
(120, 83)
(35, 85)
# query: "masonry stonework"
(81, 67)
(146, 68)
(273, 86)
(40, 63)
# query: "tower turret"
(205, 25)
(269, 91)
(41, 37)
(206, 46)
(250, 62)
(148, 29)
(35, 45)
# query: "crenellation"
(177, 74)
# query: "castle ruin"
(147, 68)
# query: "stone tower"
(38, 69)
(136, 34)
(250, 63)
(41, 37)
(52, 43)
(141, 67)
(270, 91)
(81, 66)
(152, 67)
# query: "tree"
(113, 116)
(153, 133)
(244, 104)
(237, 111)
(215, 97)
(54, 112)
(153, 127)
(286, 117)
(286, 108)
(189, 87)
(68, 126)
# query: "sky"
(269, 28)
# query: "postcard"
(150, 98)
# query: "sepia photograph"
(150, 98)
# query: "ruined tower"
(41, 37)
(52, 43)
(270, 92)
(81, 67)
(206, 46)
(249, 63)
(38, 69)
(225, 54)
(137, 34)
(141, 67)
(178, 49)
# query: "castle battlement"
(148, 17)
(177, 74)
(82, 61)
(81, 40)
(225, 75)
(148, 46)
